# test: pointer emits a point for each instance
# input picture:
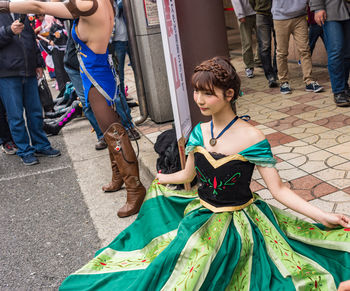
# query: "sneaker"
(9, 148)
(314, 87)
(342, 99)
(133, 134)
(249, 72)
(272, 83)
(101, 144)
(30, 160)
(50, 153)
(285, 88)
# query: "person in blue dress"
(220, 235)
(91, 31)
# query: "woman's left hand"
(333, 220)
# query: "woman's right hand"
(160, 177)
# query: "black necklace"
(213, 139)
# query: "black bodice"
(227, 184)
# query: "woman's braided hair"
(217, 72)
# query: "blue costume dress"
(101, 70)
(98, 67)
(220, 236)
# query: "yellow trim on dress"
(219, 162)
(225, 208)
(84, 55)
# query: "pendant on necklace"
(212, 141)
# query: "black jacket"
(19, 54)
(70, 57)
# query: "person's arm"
(184, 176)
(69, 9)
(7, 32)
(239, 10)
(252, 3)
(38, 29)
(290, 199)
(37, 7)
(40, 64)
(319, 7)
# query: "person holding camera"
(20, 65)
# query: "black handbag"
(45, 95)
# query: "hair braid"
(217, 72)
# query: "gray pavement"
(46, 230)
(54, 216)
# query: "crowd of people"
(57, 48)
(205, 238)
(306, 21)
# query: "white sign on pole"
(175, 67)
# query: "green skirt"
(177, 244)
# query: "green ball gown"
(236, 242)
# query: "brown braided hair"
(217, 72)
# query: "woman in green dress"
(221, 236)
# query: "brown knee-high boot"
(117, 180)
(120, 146)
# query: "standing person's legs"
(335, 41)
(122, 107)
(315, 31)
(120, 50)
(11, 90)
(346, 26)
(123, 159)
(5, 134)
(34, 115)
(246, 39)
(77, 82)
(6, 141)
(264, 28)
(283, 31)
(301, 38)
(61, 75)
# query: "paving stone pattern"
(308, 133)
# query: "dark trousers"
(61, 75)
(264, 27)
(5, 134)
(315, 31)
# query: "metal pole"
(135, 58)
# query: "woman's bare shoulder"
(251, 133)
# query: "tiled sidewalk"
(309, 135)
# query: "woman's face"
(209, 103)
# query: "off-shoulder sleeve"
(195, 139)
(260, 154)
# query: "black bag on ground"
(166, 147)
(45, 95)
(168, 161)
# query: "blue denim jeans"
(336, 38)
(18, 93)
(75, 78)
(121, 48)
(264, 28)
